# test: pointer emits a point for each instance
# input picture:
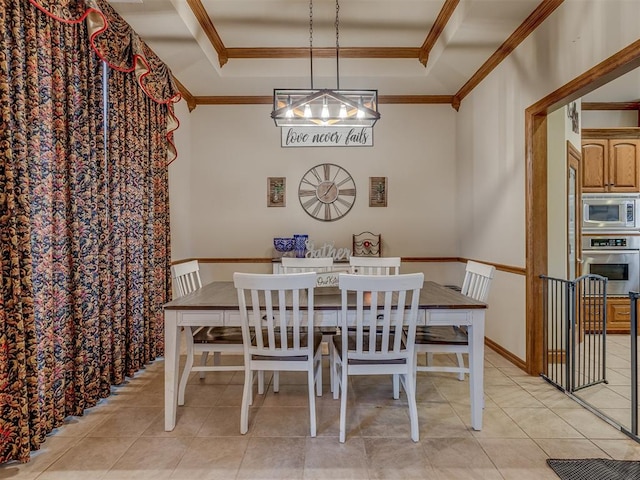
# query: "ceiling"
(424, 51)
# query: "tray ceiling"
(224, 51)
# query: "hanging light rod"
(325, 107)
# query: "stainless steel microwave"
(603, 212)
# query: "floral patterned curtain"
(139, 222)
(84, 227)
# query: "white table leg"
(171, 364)
(476, 368)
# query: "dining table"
(216, 304)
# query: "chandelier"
(325, 107)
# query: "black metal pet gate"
(575, 331)
(575, 321)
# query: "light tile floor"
(526, 421)
(613, 398)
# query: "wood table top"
(224, 296)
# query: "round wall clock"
(327, 192)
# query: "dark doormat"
(595, 469)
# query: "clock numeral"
(346, 180)
(317, 175)
(344, 202)
(310, 202)
(306, 193)
(348, 191)
(327, 171)
(327, 211)
(314, 185)
(316, 209)
(338, 211)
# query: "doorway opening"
(619, 64)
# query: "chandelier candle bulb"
(325, 110)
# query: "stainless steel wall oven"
(616, 257)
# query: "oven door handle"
(610, 252)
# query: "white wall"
(559, 131)
(456, 181)
(235, 148)
(490, 139)
(557, 194)
(610, 119)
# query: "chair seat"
(304, 338)
(228, 335)
(326, 330)
(337, 341)
(441, 336)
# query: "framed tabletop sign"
(377, 191)
(276, 191)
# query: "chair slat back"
(477, 280)
(384, 305)
(300, 265)
(276, 307)
(186, 277)
(375, 265)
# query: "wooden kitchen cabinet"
(618, 315)
(611, 165)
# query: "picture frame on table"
(276, 191)
(377, 191)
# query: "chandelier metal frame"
(325, 107)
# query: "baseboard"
(517, 361)
(556, 356)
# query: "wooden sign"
(326, 137)
(328, 279)
(377, 191)
(276, 191)
(327, 250)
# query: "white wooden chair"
(375, 265)
(278, 331)
(300, 265)
(435, 339)
(318, 265)
(388, 306)
(204, 340)
(186, 277)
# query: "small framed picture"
(276, 191)
(377, 191)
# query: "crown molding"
(323, 52)
(436, 30)
(268, 100)
(186, 94)
(610, 105)
(544, 9)
(209, 29)
(539, 15)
